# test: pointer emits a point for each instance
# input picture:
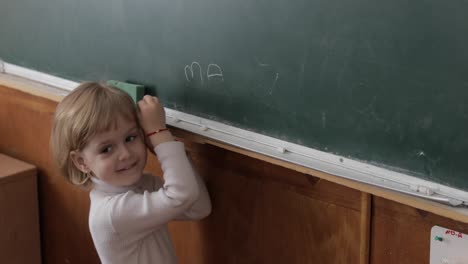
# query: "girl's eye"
(130, 138)
(106, 149)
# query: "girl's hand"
(152, 118)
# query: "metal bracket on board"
(2, 66)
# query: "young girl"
(98, 141)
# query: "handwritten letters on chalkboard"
(212, 71)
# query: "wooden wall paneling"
(401, 234)
(25, 125)
(264, 213)
(366, 206)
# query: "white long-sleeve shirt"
(129, 224)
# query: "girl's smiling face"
(116, 156)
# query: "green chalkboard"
(385, 82)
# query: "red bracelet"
(157, 131)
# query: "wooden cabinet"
(19, 216)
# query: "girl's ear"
(79, 161)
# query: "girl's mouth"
(127, 167)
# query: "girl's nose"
(124, 153)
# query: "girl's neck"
(103, 186)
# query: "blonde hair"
(89, 109)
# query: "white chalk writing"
(191, 71)
(216, 67)
(212, 71)
(274, 84)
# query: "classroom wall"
(262, 213)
